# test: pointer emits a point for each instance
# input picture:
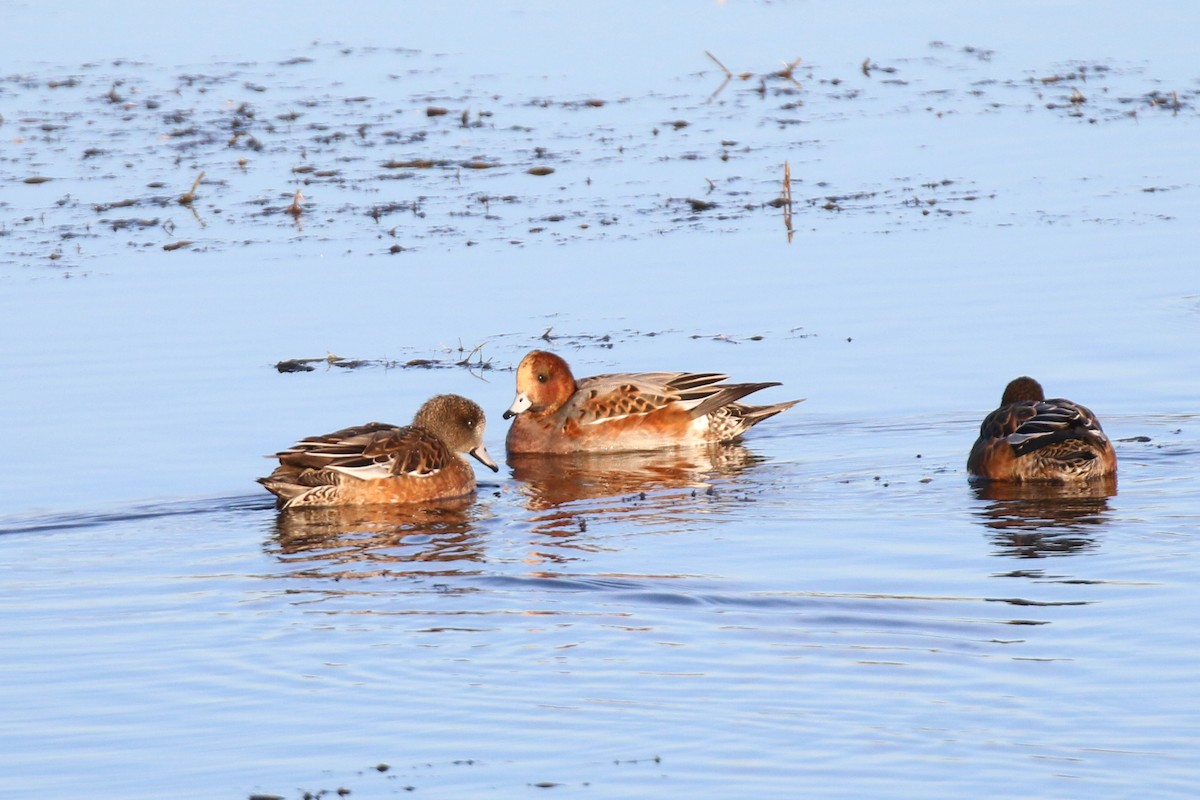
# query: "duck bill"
(481, 454)
(520, 404)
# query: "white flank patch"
(371, 472)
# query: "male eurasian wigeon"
(627, 411)
(383, 464)
(1030, 438)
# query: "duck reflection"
(1036, 520)
(649, 484)
(366, 541)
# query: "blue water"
(829, 609)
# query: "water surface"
(829, 605)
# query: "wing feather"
(1035, 424)
(370, 451)
(606, 398)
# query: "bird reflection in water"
(1036, 520)
(653, 485)
(431, 539)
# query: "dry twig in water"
(787, 72)
(187, 197)
(295, 209)
(787, 200)
(466, 360)
(717, 61)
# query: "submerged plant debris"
(513, 345)
(235, 155)
(461, 357)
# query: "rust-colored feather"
(626, 411)
(379, 463)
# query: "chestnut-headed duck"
(555, 413)
(1030, 438)
(377, 464)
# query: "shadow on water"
(1041, 520)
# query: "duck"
(623, 412)
(381, 464)
(1030, 438)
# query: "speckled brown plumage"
(378, 463)
(1030, 438)
(555, 413)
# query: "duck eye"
(541, 377)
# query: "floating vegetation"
(157, 127)
(460, 358)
